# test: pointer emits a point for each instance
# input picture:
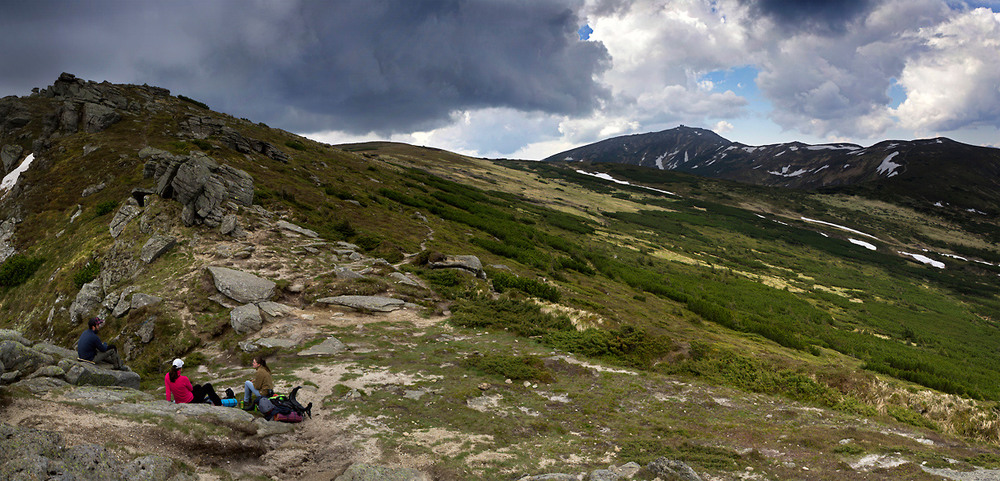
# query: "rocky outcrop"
(467, 263)
(236, 141)
(87, 106)
(203, 127)
(328, 347)
(128, 211)
(27, 453)
(365, 303)
(9, 154)
(672, 469)
(203, 186)
(246, 319)
(281, 224)
(55, 365)
(7, 249)
(241, 286)
(155, 247)
(87, 301)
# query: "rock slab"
(241, 286)
(365, 303)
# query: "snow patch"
(889, 167)
(848, 229)
(832, 147)
(924, 259)
(862, 244)
(659, 161)
(10, 179)
(784, 172)
(603, 176)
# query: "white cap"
(178, 363)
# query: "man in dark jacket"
(90, 347)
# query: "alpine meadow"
(454, 317)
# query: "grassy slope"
(786, 306)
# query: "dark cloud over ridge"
(352, 65)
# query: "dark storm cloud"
(356, 66)
(819, 16)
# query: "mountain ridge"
(913, 169)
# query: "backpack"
(292, 417)
(285, 406)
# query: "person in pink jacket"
(179, 387)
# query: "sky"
(526, 79)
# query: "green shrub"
(106, 207)
(202, 144)
(504, 280)
(522, 318)
(17, 269)
(909, 416)
(87, 273)
(294, 144)
(627, 346)
(516, 368)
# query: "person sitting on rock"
(179, 387)
(90, 348)
(261, 385)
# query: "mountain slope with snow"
(929, 171)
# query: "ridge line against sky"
(530, 78)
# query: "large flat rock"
(241, 286)
(365, 303)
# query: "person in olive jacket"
(90, 348)
(261, 385)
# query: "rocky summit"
(455, 318)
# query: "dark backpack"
(286, 405)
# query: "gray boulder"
(148, 468)
(57, 352)
(96, 117)
(246, 319)
(39, 385)
(156, 246)
(140, 300)
(181, 411)
(467, 263)
(203, 186)
(673, 469)
(241, 286)
(80, 373)
(128, 211)
(274, 310)
(328, 347)
(229, 224)
(9, 154)
(105, 395)
(372, 472)
(12, 335)
(87, 301)
(18, 357)
(16, 442)
(405, 278)
(345, 273)
(48, 371)
(145, 331)
(124, 304)
(365, 303)
(297, 229)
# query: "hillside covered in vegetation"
(551, 318)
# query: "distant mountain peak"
(917, 167)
